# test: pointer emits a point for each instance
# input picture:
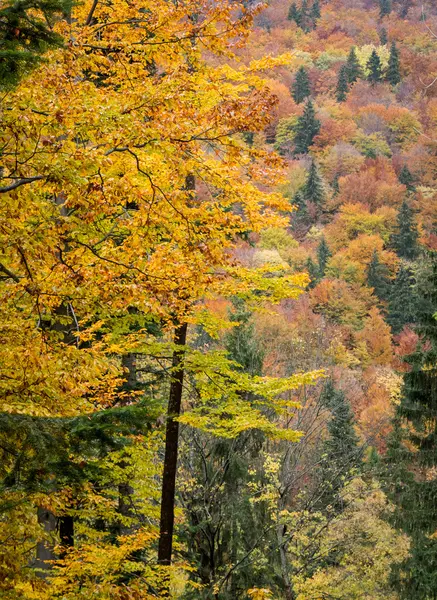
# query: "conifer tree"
(383, 37)
(405, 241)
(313, 272)
(407, 178)
(353, 66)
(377, 277)
(323, 256)
(304, 16)
(301, 86)
(342, 84)
(25, 34)
(393, 75)
(342, 455)
(342, 445)
(241, 342)
(307, 127)
(405, 7)
(315, 11)
(412, 453)
(299, 201)
(294, 13)
(314, 190)
(375, 68)
(385, 8)
(402, 300)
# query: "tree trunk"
(44, 551)
(66, 533)
(171, 450)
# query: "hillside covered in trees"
(218, 300)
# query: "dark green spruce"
(25, 36)
(342, 84)
(301, 86)
(323, 256)
(306, 129)
(405, 240)
(375, 68)
(353, 66)
(412, 452)
(393, 75)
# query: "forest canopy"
(218, 283)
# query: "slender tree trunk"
(171, 450)
(288, 588)
(44, 551)
(66, 533)
(125, 491)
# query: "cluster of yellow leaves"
(143, 186)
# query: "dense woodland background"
(218, 277)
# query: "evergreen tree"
(353, 66)
(384, 8)
(402, 300)
(377, 277)
(294, 14)
(342, 84)
(241, 342)
(375, 68)
(305, 16)
(405, 7)
(407, 178)
(299, 201)
(313, 272)
(342, 455)
(323, 256)
(307, 127)
(383, 38)
(301, 86)
(25, 34)
(413, 446)
(405, 241)
(314, 190)
(315, 11)
(393, 75)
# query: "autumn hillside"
(218, 300)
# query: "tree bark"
(165, 546)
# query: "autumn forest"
(218, 299)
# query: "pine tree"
(301, 86)
(294, 14)
(384, 8)
(241, 342)
(353, 66)
(299, 201)
(313, 272)
(402, 304)
(383, 37)
(405, 241)
(315, 11)
(342, 455)
(314, 190)
(26, 33)
(323, 256)
(407, 178)
(393, 75)
(405, 7)
(307, 127)
(378, 277)
(305, 16)
(413, 446)
(342, 84)
(375, 68)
